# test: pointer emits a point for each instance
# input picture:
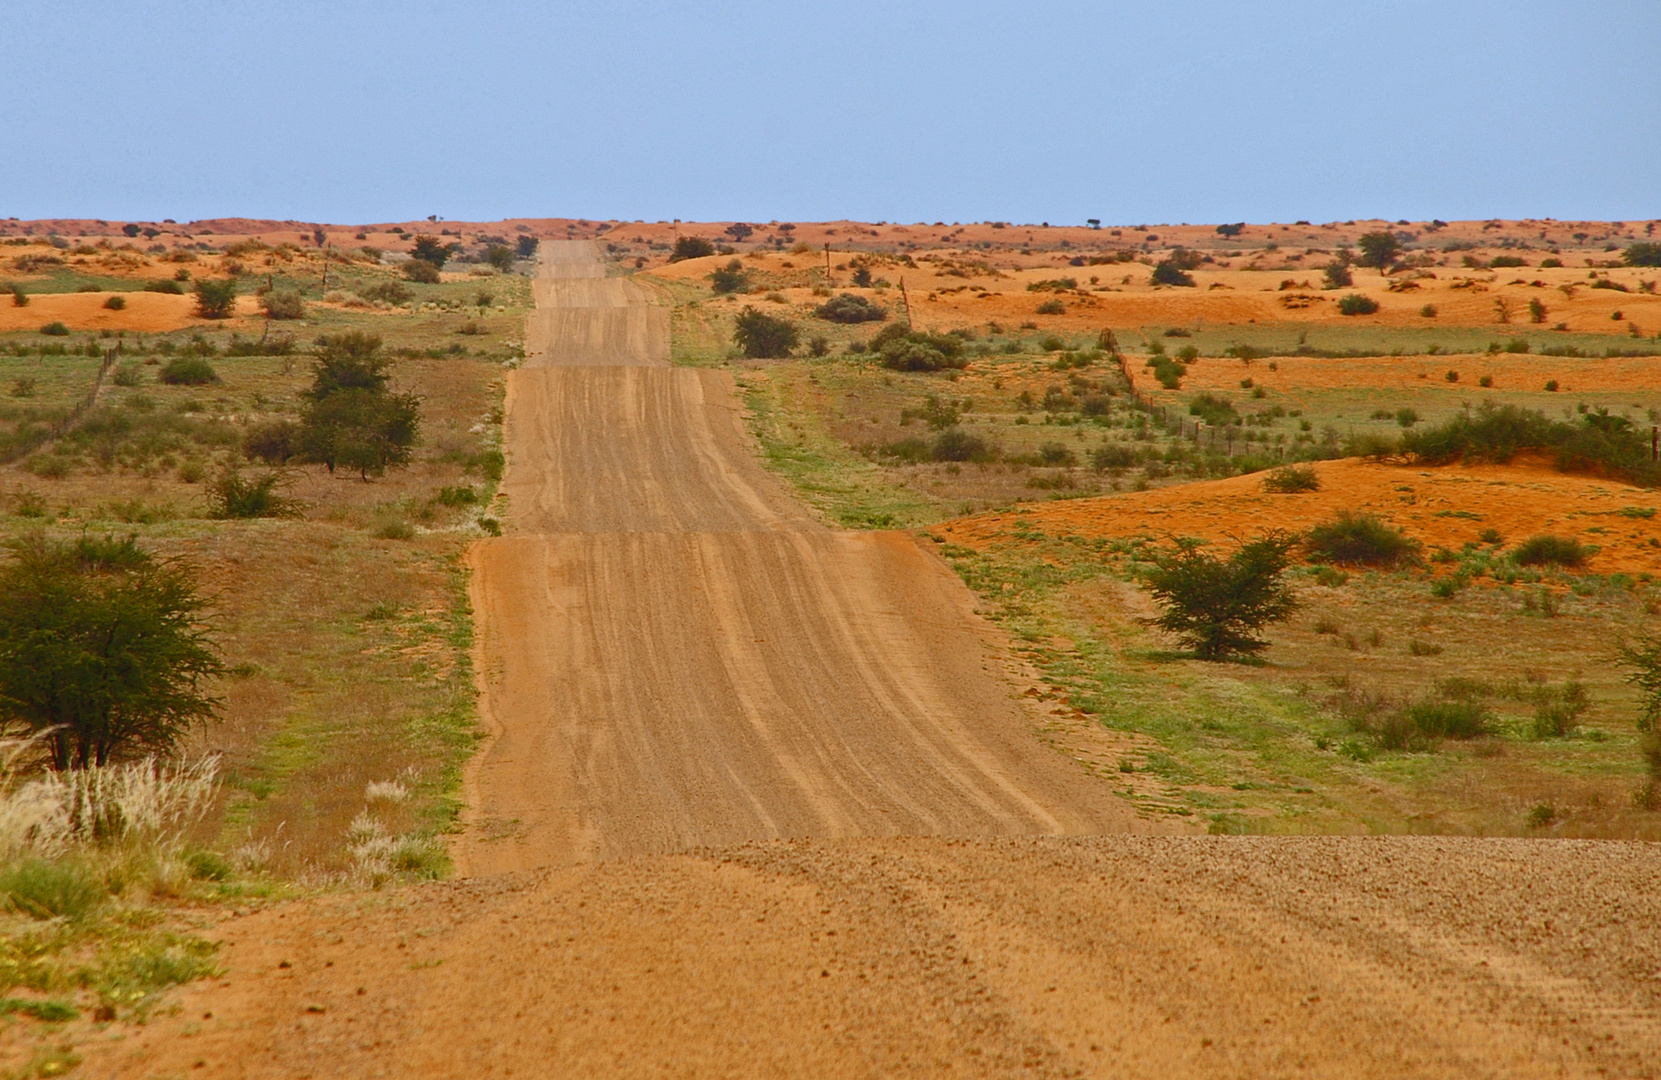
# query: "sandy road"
(676, 654)
(667, 671)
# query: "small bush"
(850, 308)
(395, 528)
(1643, 253)
(233, 496)
(55, 329)
(1361, 539)
(906, 350)
(283, 304)
(1337, 274)
(1291, 479)
(273, 442)
(23, 386)
(19, 297)
(421, 271)
(1557, 712)
(955, 444)
(1051, 307)
(729, 278)
(216, 299)
(762, 336)
(1466, 719)
(1168, 272)
(691, 247)
(1428, 311)
(116, 302)
(1549, 550)
(1216, 606)
(388, 292)
(1500, 262)
(169, 286)
(1356, 304)
(188, 371)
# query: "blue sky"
(1153, 112)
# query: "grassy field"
(348, 707)
(1289, 745)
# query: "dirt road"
(678, 660)
(676, 654)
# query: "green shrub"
(388, 292)
(1168, 272)
(762, 336)
(234, 496)
(1217, 606)
(19, 297)
(422, 271)
(208, 866)
(272, 442)
(216, 299)
(1169, 372)
(730, 279)
(490, 464)
(1500, 262)
(51, 888)
(525, 247)
(1643, 253)
(906, 350)
(955, 444)
(691, 247)
(432, 250)
(850, 308)
(1337, 274)
(1291, 479)
(1214, 410)
(1361, 539)
(116, 302)
(1356, 304)
(188, 371)
(1051, 307)
(283, 304)
(1379, 249)
(23, 386)
(1467, 719)
(168, 286)
(500, 256)
(460, 495)
(1557, 712)
(1549, 550)
(55, 329)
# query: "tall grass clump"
(1550, 550)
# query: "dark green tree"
(525, 247)
(691, 247)
(102, 649)
(1215, 606)
(763, 336)
(366, 430)
(1643, 253)
(500, 256)
(431, 249)
(1379, 249)
(350, 360)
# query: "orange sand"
(1519, 500)
(145, 312)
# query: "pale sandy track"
(691, 661)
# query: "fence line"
(64, 426)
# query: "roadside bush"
(1549, 550)
(421, 271)
(51, 888)
(234, 496)
(1216, 607)
(691, 247)
(188, 371)
(282, 304)
(1361, 539)
(101, 648)
(729, 278)
(116, 303)
(215, 299)
(762, 336)
(850, 308)
(1291, 479)
(907, 350)
(1356, 304)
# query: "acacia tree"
(353, 419)
(1215, 606)
(1379, 249)
(102, 650)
